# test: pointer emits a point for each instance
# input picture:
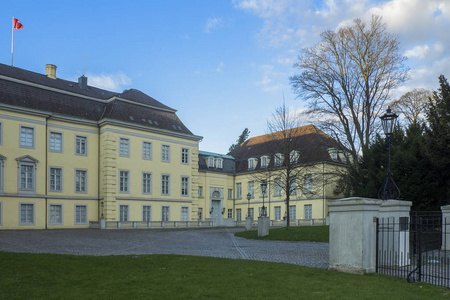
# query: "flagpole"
(12, 44)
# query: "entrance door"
(216, 211)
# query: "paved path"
(216, 242)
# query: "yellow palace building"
(72, 156)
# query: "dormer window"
(333, 153)
(294, 155)
(210, 162)
(252, 163)
(278, 159)
(342, 157)
(265, 161)
(219, 163)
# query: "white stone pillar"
(248, 223)
(263, 226)
(353, 234)
(445, 227)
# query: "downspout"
(98, 175)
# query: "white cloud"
(220, 67)
(113, 82)
(271, 80)
(213, 23)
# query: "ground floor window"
(230, 213)
(165, 213)
(251, 212)
(238, 214)
(292, 212)
(26, 214)
(123, 213)
(277, 212)
(308, 211)
(55, 214)
(80, 214)
(146, 213)
(185, 214)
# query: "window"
(124, 147)
(146, 213)
(251, 188)
(26, 214)
(251, 212)
(200, 213)
(2, 165)
(219, 163)
(264, 161)
(294, 155)
(147, 150)
(308, 184)
(80, 214)
(55, 214)
(251, 163)
(55, 141)
(238, 190)
(292, 212)
(184, 186)
(124, 181)
(278, 159)
(165, 153)
(230, 194)
(80, 145)
(80, 181)
(123, 213)
(200, 191)
(238, 214)
(277, 186)
(210, 162)
(26, 174)
(184, 155)
(26, 137)
(308, 211)
(184, 214)
(277, 212)
(146, 183)
(55, 180)
(293, 185)
(165, 184)
(230, 213)
(165, 213)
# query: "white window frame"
(230, 193)
(277, 212)
(146, 215)
(2, 173)
(277, 189)
(252, 163)
(26, 161)
(185, 156)
(210, 162)
(124, 208)
(251, 213)
(264, 161)
(50, 175)
(165, 153)
(163, 187)
(185, 186)
(293, 185)
(124, 147)
(147, 183)
(292, 212)
(79, 141)
(23, 132)
(219, 163)
(184, 214)
(124, 181)
(52, 219)
(239, 190)
(238, 215)
(77, 180)
(294, 156)
(308, 211)
(251, 188)
(165, 217)
(278, 159)
(76, 218)
(230, 213)
(200, 191)
(308, 184)
(27, 223)
(52, 144)
(147, 150)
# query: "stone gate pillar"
(445, 227)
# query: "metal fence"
(416, 248)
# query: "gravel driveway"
(216, 242)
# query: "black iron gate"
(416, 248)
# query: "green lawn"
(304, 233)
(51, 276)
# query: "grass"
(304, 233)
(53, 276)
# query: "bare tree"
(347, 77)
(412, 105)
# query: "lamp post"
(263, 190)
(389, 190)
(102, 204)
(249, 196)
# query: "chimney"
(82, 82)
(50, 71)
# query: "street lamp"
(263, 190)
(102, 204)
(389, 190)
(249, 196)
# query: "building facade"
(71, 154)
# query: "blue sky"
(224, 65)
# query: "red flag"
(17, 24)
